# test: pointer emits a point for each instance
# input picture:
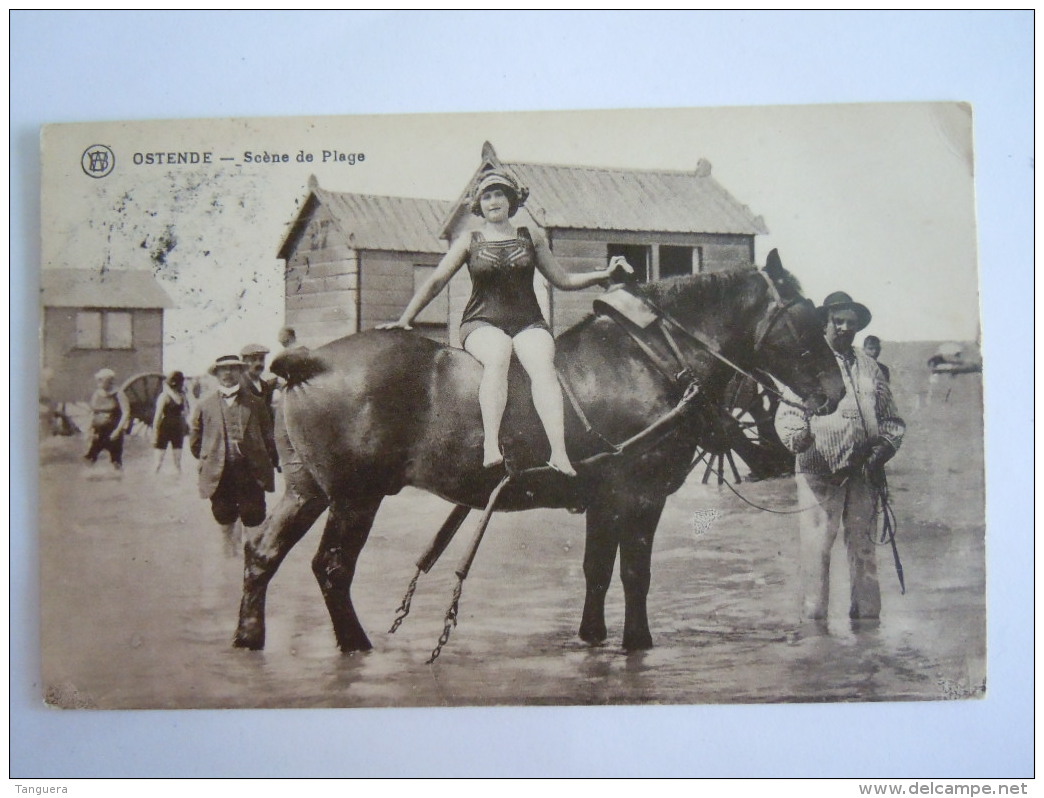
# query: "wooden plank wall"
(322, 284)
(575, 255)
(387, 285)
(726, 252)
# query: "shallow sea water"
(139, 599)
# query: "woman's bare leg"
(492, 348)
(536, 352)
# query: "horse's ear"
(774, 266)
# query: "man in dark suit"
(253, 356)
(231, 436)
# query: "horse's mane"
(731, 288)
(712, 288)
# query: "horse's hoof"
(356, 647)
(593, 637)
(248, 642)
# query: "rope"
(888, 526)
(743, 498)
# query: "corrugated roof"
(114, 288)
(402, 224)
(630, 199)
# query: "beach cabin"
(95, 319)
(666, 223)
(354, 260)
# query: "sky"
(874, 199)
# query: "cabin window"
(104, 329)
(637, 255)
(679, 261)
(89, 329)
(437, 311)
(118, 328)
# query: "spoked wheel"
(748, 431)
(142, 391)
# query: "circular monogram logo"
(98, 160)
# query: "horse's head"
(789, 342)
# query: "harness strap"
(685, 370)
(714, 348)
(567, 389)
(676, 376)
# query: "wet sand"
(139, 599)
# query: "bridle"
(781, 310)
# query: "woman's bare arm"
(432, 287)
(568, 281)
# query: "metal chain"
(404, 608)
(451, 621)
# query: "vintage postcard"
(558, 408)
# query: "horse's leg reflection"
(264, 549)
(347, 529)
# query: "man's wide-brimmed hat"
(227, 360)
(839, 300)
(103, 373)
(494, 178)
(253, 349)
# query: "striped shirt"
(826, 444)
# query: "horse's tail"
(298, 365)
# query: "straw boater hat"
(253, 349)
(504, 180)
(839, 300)
(102, 373)
(226, 360)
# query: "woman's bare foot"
(492, 459)
(562, 465)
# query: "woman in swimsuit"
(502, 316)
(170, 422)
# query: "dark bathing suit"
(171, 427)
(502, 293)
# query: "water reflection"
(724, 610)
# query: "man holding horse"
(839, 469)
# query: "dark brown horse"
(374, 412)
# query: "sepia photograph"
(698, 409)
(520, 394)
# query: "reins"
(779, 309)
(882, 507)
